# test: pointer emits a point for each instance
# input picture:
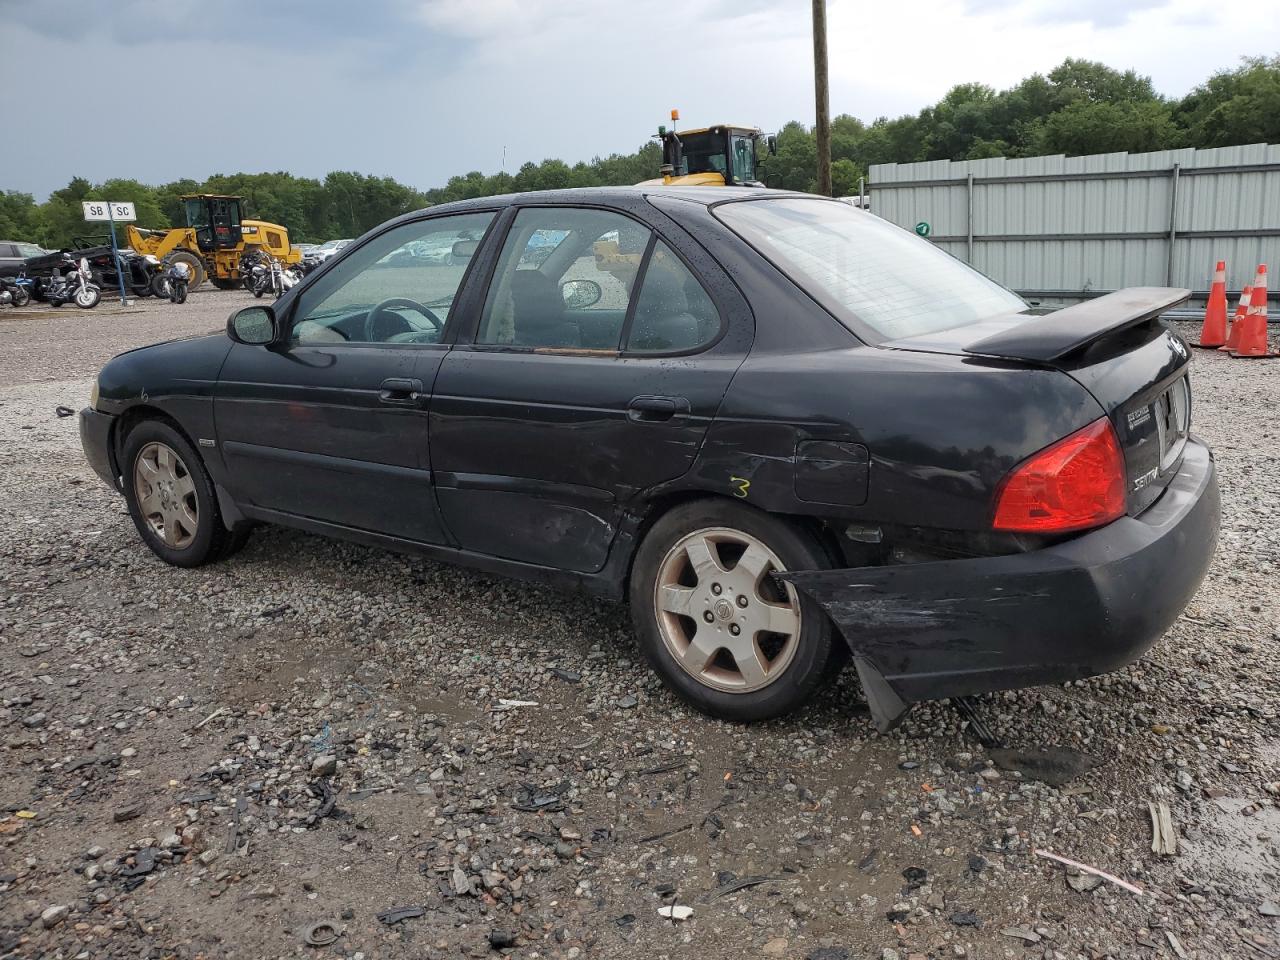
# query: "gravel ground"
(206, 763)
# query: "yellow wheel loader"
(214, 240)
(723, 155)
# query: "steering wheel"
(380, 315)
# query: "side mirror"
(578, 294)
(253, 326)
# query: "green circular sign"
(923, 228)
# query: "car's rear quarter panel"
(940, 431)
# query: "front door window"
(397, 288)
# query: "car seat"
(538, 316)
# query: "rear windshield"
(879, 280)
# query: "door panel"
(306, 432)
(554, 434)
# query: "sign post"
(111, 211)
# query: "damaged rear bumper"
(1083, 607)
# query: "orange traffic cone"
(1253, 332)
(1214, 331)
(1233, 338)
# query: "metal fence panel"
(1065, 228)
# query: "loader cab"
(715, 156)
(216, 221)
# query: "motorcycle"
(172, 282)
(76, 284)
(13, 292)
(267, 274)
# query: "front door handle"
(655, 409)
(398, 392)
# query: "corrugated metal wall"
(1061, 228)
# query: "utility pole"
(821, 96)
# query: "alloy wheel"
(722, 617)
(166, 494)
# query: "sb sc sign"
(117, 210)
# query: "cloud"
(1098, 13)
(424, 89)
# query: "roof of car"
(704, 195)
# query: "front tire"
(713, 623)
(171, 497)
(20, 297)
(87, 297)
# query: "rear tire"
(702, 573)
(194, 264)
(20, 297)
(171, 498)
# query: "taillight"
(1074, 484)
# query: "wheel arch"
(131, 418)
(654, 508)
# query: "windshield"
(877, 279)
(197, 213)
(704, 153)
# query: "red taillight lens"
(1075, 484)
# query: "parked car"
(14, 254)
(318, 255)
(785, 430)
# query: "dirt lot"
(206, 763)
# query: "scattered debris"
(514, 704)
(1082, 882)
(1021, 933)
(130, 812)
(1056, 766)
(1269, 908)
(1176, 944)
(916, 877)
(966, 918)
(217, 713)
(967, 707)
(676, 912)
(395, 914)
(501, 939)
(1088, 869)
(1164, 838)
(568, 676)
(744, 883)
(667, 833)
(322, 934)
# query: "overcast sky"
(423, 89)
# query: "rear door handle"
(398, 392)
(655, 409)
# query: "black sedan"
(787, 431)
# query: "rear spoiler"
(1064, 331)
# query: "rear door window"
(673, 313)
(564, 280)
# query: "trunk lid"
(1117, 349)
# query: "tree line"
(1080, 107)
